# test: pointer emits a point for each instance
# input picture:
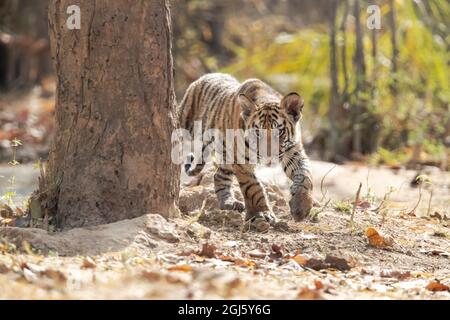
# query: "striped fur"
(221, 102)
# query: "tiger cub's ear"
(247, 106)
(293, 105)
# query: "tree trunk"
(374, 76)
(343, 29)
(360, 67)
(215, 18)
(395, 51)
(115, 112)
(333, 142)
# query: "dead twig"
(367, 184)
(321, 183)
(386, 197)
(429, 202)
(355, 204)
(418, 202)
(421, 180)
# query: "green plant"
(9, 196)
(343, 206)
(383, 207)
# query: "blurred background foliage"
(380, 96)
(392, 107)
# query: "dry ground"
(206, 253)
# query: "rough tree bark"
(115, 112)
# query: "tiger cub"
(219, 101)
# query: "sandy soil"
(208, 253)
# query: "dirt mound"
(149, 232)
(198, 203)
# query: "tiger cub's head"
(272, 119)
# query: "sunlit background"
(377, 96)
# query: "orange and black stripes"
(220, 102)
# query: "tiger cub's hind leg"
(223, 179)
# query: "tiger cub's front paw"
(301, 204)
(267, 216)
(232, 205)
(261, 221)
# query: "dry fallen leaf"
(400, 275)
(89, 263)
(318, 284)
(277, 252)
(197, 258)
(437, 286)
(436, 252)
(227, 258)
(337, 263)
(186, 253)
(276, 248)
(244, 262)
(151, 275)
(257, 254)
(308, 294)
(174, 279)
(180, 267)
(300, 259)
(377, 240)
(235, 283)
(208, 251)
(316, 264)
(55, 275)
(330, 262)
